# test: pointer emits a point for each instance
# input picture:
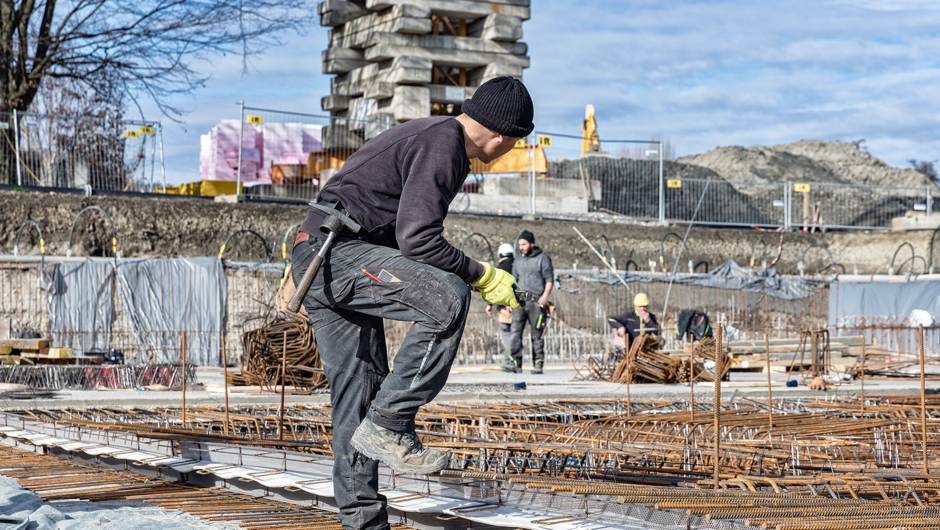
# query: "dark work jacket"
(632, 322)
(695, 323)
(399, 186)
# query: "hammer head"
(336, 221)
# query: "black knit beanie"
(528, 236)
(502, 105)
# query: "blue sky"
(703, 73)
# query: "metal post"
(241, 132)
(719, 366)
(662, 187)
(770, 397)
(864, 354)
(923, 399)
(16, 148)
(280, 430)
(183, 355)
(929, 201)
(786, 203)
(162, 162)
(692, 380)
(225, 375)
(530, 164)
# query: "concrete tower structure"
(397, 60)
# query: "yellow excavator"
(591, 143)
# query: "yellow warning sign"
(146, 130)
(545, 141)
(520, 144)
(673, 183)
(801, 188)
(254, 119)
(131, 134)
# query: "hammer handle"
(307, 279)
(294, 304)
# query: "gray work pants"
(530, 313)
(346, 308)
(505, 336)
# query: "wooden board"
(26, 344)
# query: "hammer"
(336, 220)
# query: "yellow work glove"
(497, 287)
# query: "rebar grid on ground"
(56, 479)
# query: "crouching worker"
(632, 324)
(398, 188)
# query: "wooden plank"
(26, 344)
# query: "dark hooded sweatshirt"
(399, 186)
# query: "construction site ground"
(483, 383)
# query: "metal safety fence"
(281, 154)
(828, 205)
(62, 151)
(583, 306)
(584, 300)
(26, 309)
(284, 155)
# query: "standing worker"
(533, 268)
(504, 313)
(632, 324)
(398, 187)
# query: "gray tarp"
(80, 299)
(728, 275)
(858, 299)
(163, 297)
(22, 509)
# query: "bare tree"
(144, 46)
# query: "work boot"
(511, 367)
(402, 451)
(538, 367)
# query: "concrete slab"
(474, 383)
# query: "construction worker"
(504, 313)
(632, 324)
(533, 268)
(398, 187)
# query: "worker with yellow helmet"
(632, 324)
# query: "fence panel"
(622, 178)
(79, 152)
(725, 203)
(286, 155)
(826, 205)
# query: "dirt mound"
(806, 161)
(631, 187)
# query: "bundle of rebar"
(704, 351)
(91, 377)
(645, 364)
(283, 351)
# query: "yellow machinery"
(591, 142)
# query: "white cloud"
(723, 72)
